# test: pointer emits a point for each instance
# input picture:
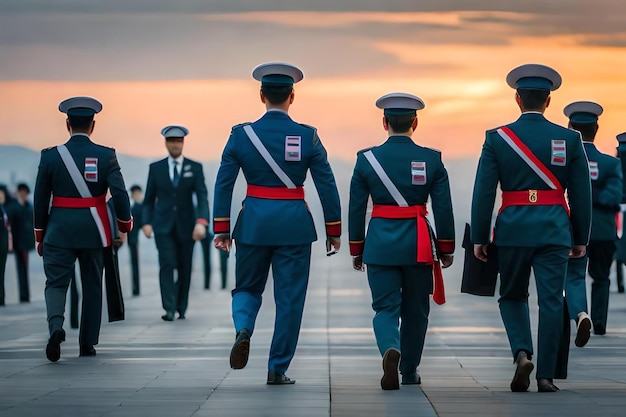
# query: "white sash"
(268, 158)
(82, 188)
(389, 185)
(526, 159)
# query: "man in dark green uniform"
(534, 161)
(72, 223)
(606, 191)
(400, 249)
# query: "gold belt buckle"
(532, 196)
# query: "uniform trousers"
(549, 264)
(21, 266)
(174, 254)
(600, 254)
(4, 250)
(290, 272)
(58, 266)
(401, 301)
(575, 286)
(134, 263)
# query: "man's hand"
(480, 252)
(332, 245)
(199, 232)
(578, 251)
(446, 260)
(357, 263)
(147, 230)
(222, 242)
(39, 247)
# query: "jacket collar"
(399, 139)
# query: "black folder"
(479, 278)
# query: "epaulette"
(307, 126)
(432, 149)
(494, 130)
(47, 149)
(240, 125)
(365, 150)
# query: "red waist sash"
(275, 193)
(424, 242)
(533, 198)
(78, 202)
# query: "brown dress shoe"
(546, 385)
(390, 379)
(241, 349)
(521, 379)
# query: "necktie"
(176, 176)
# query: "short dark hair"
(587, 130)
(22, 186)
(533, 99)
(276, 94)
(134, 188)
(80, 122)
(402, 123)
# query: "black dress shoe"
(169, 316)
(389, 381)
(241, 349)
(87, 350)
(275, 378)
(411, 379)
(53, 349)
(521, 379)
(583, 329)
(181, 316)
(599, 329)
(546, 385)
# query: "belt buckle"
(532, 196)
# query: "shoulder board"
(433, 149)
(494, 130)
(365, 150)
(240, 125)
(307, 126)
(47, 149)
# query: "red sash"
(425, 253)
(275, 193)
(98, 202)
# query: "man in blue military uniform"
(274, 227)
(169, 211)
(71, 221)
(605, 172)
(534, 161)
(400, 248)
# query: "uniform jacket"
(532, 226)
(75, 227)
(275, 222)
(166, 207)
(606, 192)
(393, 241)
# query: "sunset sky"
(158, 62)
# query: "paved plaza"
(147, 367)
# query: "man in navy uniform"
(169, 212)
(620, 246)
(274, 227)
(534, 161)
(400, 249)
(71, 221)
(136, 194)
(21, 218)
(606, 191)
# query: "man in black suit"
(71, 221)
(20, 212)
(136, 194)
(170, 213)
